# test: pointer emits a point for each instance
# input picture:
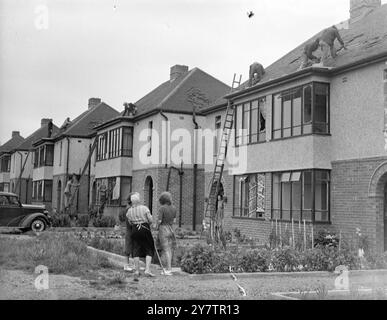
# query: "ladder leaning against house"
(215, 184)
(85, 167)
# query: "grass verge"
(61, 253)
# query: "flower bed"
(205, 259)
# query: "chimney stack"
(177, 71)
(44, 122)
(15, 133)
(93, 102)
(360, 8)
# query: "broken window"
(249, 196)
(218, 134)
(250, 122)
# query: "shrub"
(376, 261)
(61, 220)
(198, 260)
(255, 261)
(104, 222)
(326, 239)
(83, 220)
(285, 259)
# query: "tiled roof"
(364, 39)
(11, 143)
(42, 132)
(83, 125)
(195, 87)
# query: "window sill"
(302, 222)
(247, 218)
(101, 160)
(300, 136)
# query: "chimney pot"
(360, 8)
(177, 71)
(44, 122)
(93, 102)
(15, 133)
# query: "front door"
(385, 217)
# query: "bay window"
(44, 156)
(302, 110)
(301, 195)
(115, 143)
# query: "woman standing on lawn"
(143, 246)
(166, 236)
(128, 239)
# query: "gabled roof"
(11, 144)
(195, 87)
(42, 132)
(84, 124)
(365, 39)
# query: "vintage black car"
(22, 216)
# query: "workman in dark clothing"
(308, 55)
(327, 43)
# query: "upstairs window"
(127, 141)
(150, 129)
(250, 122)
(115, 143)
(303, 110)
(5, 163)
(44, 156)
(218, 134)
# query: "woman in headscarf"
(143, 246)
(166, 236)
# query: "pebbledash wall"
(78, 152)
(354, 152)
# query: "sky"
(56, 54)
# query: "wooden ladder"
(221, 155)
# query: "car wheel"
(38, 225)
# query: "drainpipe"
(195, 170)
(21, 173)
(166, 138)
(68, 155)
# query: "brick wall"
(160, 176)
(351, 205)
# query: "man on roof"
(327, 43)
(308, 57)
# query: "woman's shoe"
(149, 274)
(166, 273)
(128, 268)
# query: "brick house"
(22, 157)
(150, 167)
(72, 146)
(5, 160)
(314, 140)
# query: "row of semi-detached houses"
(314, 143)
